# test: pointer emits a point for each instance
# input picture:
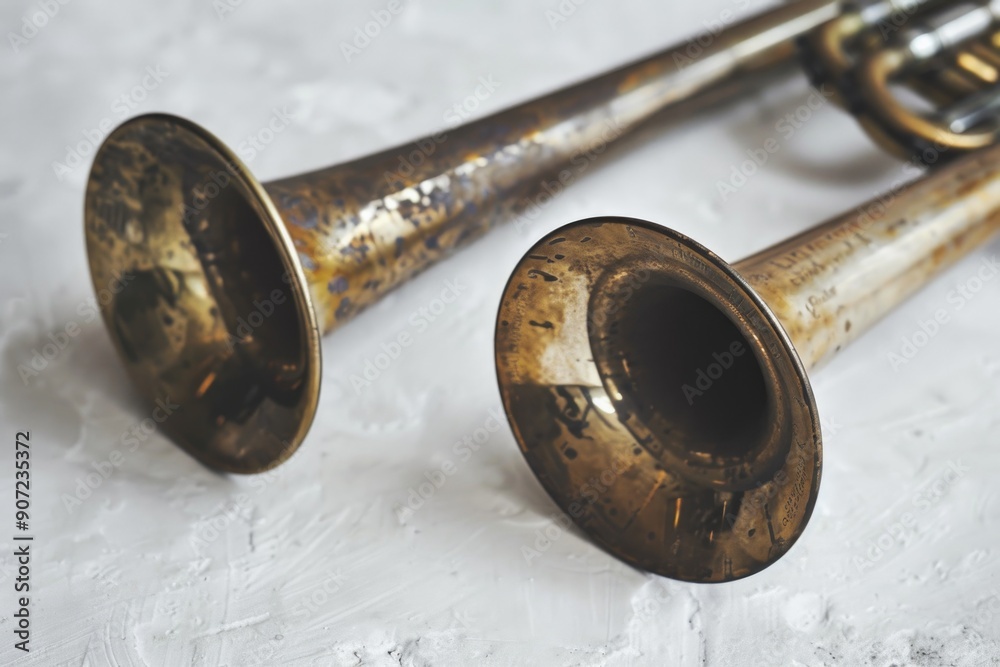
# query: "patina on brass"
(660, 394)
(228, 283)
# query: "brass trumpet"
(229, 282)
(661, 394)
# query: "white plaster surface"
(166, 563)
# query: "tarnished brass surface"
(601, 325)
(214, 315)
(660, 394)
(205, 252)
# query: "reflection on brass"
(660, 394)
(920, 75)
(222, 285)
(228, 282)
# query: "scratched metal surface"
(335, 558)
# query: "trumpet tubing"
(230, 282)
(631, 355)
(209, 251)
(830, 284)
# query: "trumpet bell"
(203, 294)
(658, 400)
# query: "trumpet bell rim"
(611, 450)
(203, 294)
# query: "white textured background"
(165, 563)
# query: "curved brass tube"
(876, 48)
(904, 132)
